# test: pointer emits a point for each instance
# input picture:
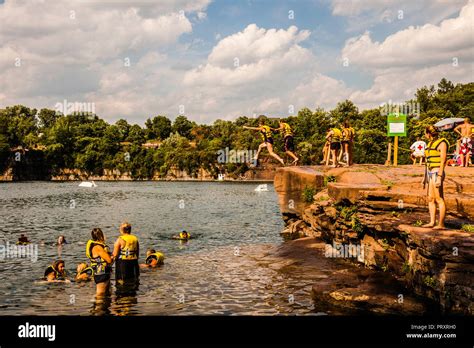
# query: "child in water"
(153, 259)
(55, 272)
(84, 272)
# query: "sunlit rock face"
(382, 209)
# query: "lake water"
(215, 273)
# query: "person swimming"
(23, 240)
(55, 272)
(61, 240)
(183, 235)
(84, 272)
(153, 258)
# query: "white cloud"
(427, 44)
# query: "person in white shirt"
(418, 150)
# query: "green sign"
(397, 125)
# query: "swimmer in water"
(84, 272)
(153, 259)
(55, 271)
(61, 240)
(23, 240)
(183, 236)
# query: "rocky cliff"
(380, 210)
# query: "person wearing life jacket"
(435, 154)
(23, 240)
(153, 259)
(288, 140)
(335, 137)
(267, 137)
(100, 261)
(347, 142)
(55, 271)
(84, 272)
(126, 252)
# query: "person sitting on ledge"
(55, 271)
(435, 153)
(153, 259)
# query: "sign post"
(396, 127)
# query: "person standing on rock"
(288, 140)
(435, 153)
(334, 136)
(466, 131)
(347, 143)
(267, 137)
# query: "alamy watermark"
(67, 108)
(345, 251)
(236, 156)
(13, 251)
(410, 108)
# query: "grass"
(418, 223)
(388, 183)
(357, 227)
(430, 281)
(467, 228)
(308, 194)
(328, 179)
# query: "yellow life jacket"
(130, 250)
(88, 270)
(57, 274)
(157, 256)
(336, 135)
(266, 133)
(98, 264)
(183, 235)
(433, 155)
(286, 131)
(347, 133)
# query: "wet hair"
(61, 239)
(57, 263)
(97, 234)
(82, 266)
(151, 251)
(431, 130)
(125, 227)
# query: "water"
(215, 273)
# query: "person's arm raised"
(252, 128)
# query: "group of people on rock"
(339, 143)
(124, 256)
(464, 147)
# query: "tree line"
(85, 141)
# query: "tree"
(159, 127)
(182, 126)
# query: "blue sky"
(364, 50)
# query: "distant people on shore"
(126, 252)
(418, 150)
(288, 140)
(466, 133)
(436, 153)
(100, 261)
(55, 272)
(267, 137)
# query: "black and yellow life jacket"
(433, 155)
(57, 275)
(88, 270)
(183, 235)
(130, 250)
(286, 131)
(347, 133)
(336, 135)
(266, 133)
(155, 256)
(98, 264)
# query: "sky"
(221, 59)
